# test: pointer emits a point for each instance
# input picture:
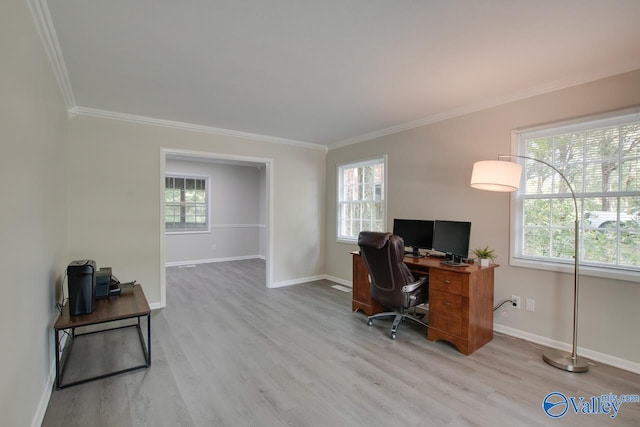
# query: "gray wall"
(264, 213)
(33, 230)
(235, 220)
(429, 169)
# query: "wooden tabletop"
(130, 303)
(436, 262)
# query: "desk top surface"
(130, 303)
(435, 262)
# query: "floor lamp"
(505, 176)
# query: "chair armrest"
(415, 285)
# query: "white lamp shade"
(496, 175)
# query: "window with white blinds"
(186, 204)
(600, 157)
(361, 198)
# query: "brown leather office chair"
(392, 284)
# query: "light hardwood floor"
(226, 351)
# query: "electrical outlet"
(515, 301)
(530, 304)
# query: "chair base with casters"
(398, 318)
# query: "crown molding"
(584, 78)
(44, 25)
(93, 112)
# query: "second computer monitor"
(452, 237)
(416, 233)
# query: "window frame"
(339, 184)
(207, 226)
(516, 256)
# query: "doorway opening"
(260, 231)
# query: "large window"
(361, 198)
(185, 203)
(600, 157)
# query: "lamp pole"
(557, 358)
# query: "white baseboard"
(296, 281)
(38, 417)
(210, 260)
(584, 352)
(311, 279)
(156, 306)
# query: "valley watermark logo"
(557, 404)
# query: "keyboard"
(410, 254)
(454, 263)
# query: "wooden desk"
(460, 300)
(131, 303)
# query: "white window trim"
(360, 163)
(207, 179)
(515, 242)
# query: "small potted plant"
(485, 255)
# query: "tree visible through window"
(361, 196)
(185, 204)
(601, 160)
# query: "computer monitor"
(416, 233)
(452, 238)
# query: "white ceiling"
(327, 72)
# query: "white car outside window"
(604, 219)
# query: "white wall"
(114, 210)
(234, 216)
(429, 169)
(264, 214)
(33, 127)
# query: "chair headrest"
(373, 239)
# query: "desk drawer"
(448, 281)
(445, 312)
